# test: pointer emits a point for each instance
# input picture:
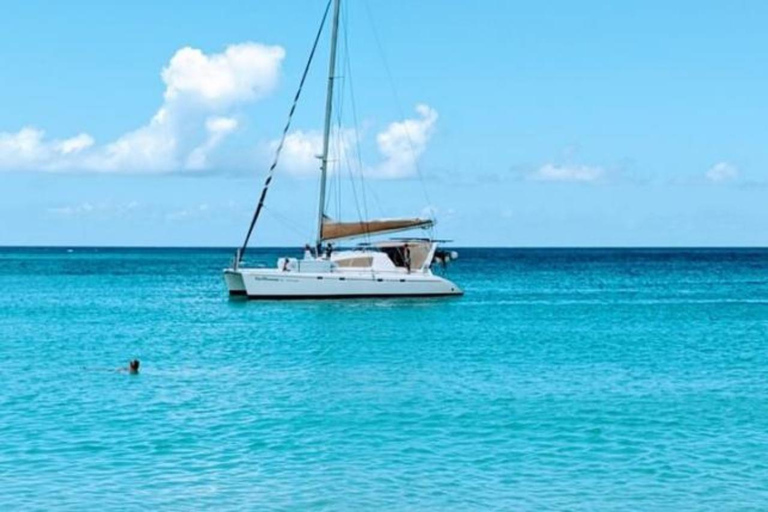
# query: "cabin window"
(358, 262)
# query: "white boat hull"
(277, 284)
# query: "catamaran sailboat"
(392, 268)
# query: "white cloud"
(202, 210)
(196, 115)
(199, 111)
(28, 148)
(21, 147)
(75, 144)
(218, 128)
(722, 172)
(301, 151)
(572, 173)
(400, 145)
(151, 148)
(243, 72)
(403, 142)
(68, 211)
(104, 209)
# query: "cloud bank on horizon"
(203, 94)
(573, 173)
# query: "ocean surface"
(563, 379)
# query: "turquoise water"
(587, 379)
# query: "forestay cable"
(270, 174)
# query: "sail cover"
(335, 230)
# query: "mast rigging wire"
(364, 215)
(342, 137)
(271, 173)
(398, 103)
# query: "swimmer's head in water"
(133, 366)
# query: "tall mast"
(327, 128)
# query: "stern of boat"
(447, 287)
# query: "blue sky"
(556, 124)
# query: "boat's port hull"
(274, 285)
(235, 283)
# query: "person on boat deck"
(407, 258)
(307, 252)
(328, 251)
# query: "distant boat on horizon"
(389, 268)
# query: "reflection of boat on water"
(392, 268)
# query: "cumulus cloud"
(75, 144)
(218, 128)
(300, 152)
(400, 145)
(403, 142)
(28, 148)
(722, 172)
(302, 149)
(199, 106)
(243, 72)
(199, 111)
(571, 173)
(151, 148)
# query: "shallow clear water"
(598, 379)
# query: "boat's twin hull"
(275, 284)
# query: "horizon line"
(522, 247)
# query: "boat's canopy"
(410, 253)
(391, 255)
(336, 230)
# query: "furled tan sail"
(334, 230)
